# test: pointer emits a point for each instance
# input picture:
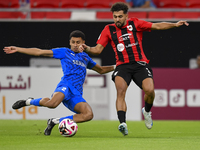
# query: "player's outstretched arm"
(167, 25)
(103, 69)
(92, 50)
(28, 51)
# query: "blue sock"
(35, 102)
(67, 117)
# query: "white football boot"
(123, 128)
(147, 118)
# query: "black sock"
(121, 116)
(148, 107)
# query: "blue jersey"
(74, 67)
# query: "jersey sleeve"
(91, 63)
(59, 53)
(104, 37)
(142, 25)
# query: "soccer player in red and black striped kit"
(125, 37)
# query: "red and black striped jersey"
(126, 41)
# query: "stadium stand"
(186, 15)
(100, 10)
(58, 15)
(38, 15)
(50, 15)
(98, 4)
(140, 15)
(114, 1)
(9, 4)
(194, 3)
(73, 4)
(104, 15)
(12, 15)
(160, 15)
(173, 3)
(45, 3)
(108, 15)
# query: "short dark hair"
(119, 6)
(77, 33)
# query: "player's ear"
(127, 16)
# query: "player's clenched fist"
(84, 47)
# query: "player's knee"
(121, 92)
(150, 93)
(89, 116)
(51, 104)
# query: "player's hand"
(180, 23)
(84, 47)
(10, 49)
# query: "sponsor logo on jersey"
(125, 37)
(132, 44)
(77, 62)
(120, 47)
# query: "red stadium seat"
(173, 3)
(98, 4)
(50, 15)
(186, 15)
(58, 15)
(73, 4)
(45, 3)
(38, 15)
(160, 15)
(139, 15)
(156, 2)
(104, 15)
(115, 1)
(9, 4)
(194, 3)
(109, 15)
(12, 15)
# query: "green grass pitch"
(101, 135)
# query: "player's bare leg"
(84, 112)
(52, 103)
(121, 87)
(148, 87)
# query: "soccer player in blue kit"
(69, 90)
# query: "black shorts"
(137, 71)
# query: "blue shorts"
(71, 98)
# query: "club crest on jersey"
(130, 28)
(120, 47)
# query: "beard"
(119, 24)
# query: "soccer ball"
(67, 127)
